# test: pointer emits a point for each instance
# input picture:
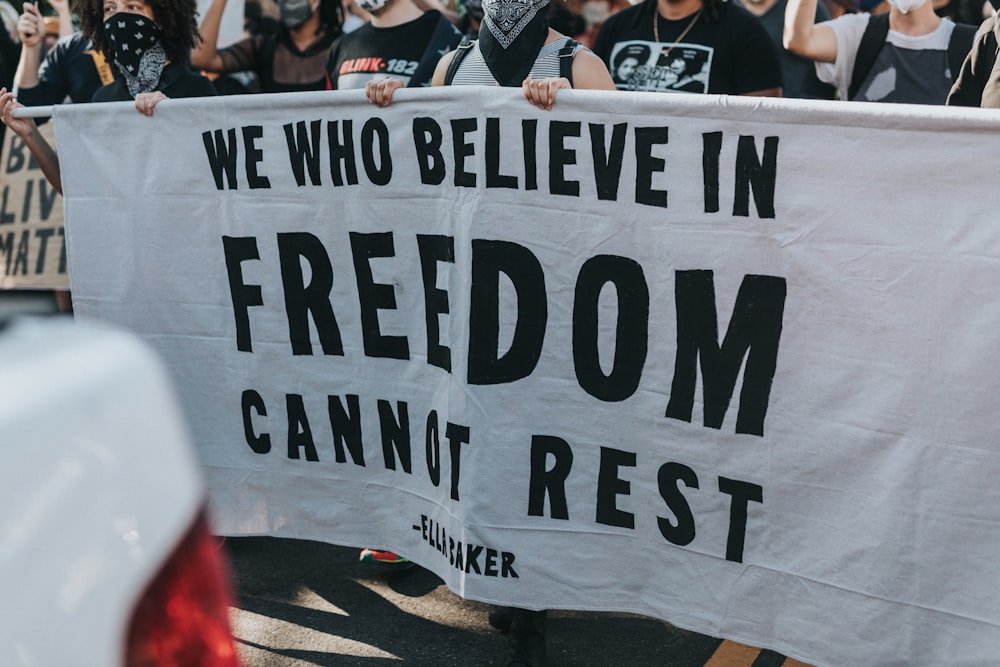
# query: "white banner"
(725, 361)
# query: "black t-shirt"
(72, 68)
(177, 80)
(403, 52)
(732, 54)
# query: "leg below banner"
(527, 638)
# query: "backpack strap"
(566, 54)
(959, 45)
(456, 60)
(872, 42)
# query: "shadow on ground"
(309, 603)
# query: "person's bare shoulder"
(590, 72)
(442, 69)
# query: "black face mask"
(294, 12)
(510, 37)
(131, 36)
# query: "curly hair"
(176, 20)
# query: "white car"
(106, 558)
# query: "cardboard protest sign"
(32, 244)
(724, 361)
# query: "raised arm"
(65, 17)
(428, 5)
(804, 37)
(205, 55)
(31, 31)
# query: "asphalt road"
(307, 603)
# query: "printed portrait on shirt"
(647, 66)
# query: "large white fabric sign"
(727, 362)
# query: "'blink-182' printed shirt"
(730, 55)
(371, 53)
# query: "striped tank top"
(473, 70)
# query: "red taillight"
(182, 620)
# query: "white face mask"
(371, 5)
(906, 6)
(595, 11)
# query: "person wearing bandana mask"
(516, 47)
(289, 60)
(913, 64)
(147, 42)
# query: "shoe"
(501, 618)
(384, 558)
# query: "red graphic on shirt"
(362, 65)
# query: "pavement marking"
(792, 662)
(733, 654)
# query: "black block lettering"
(552, 481)
(560, 156)
(462, 150)
(255, 156)
(457, 436)
(375, 296)
(761, 173)
(342, 152)
(221, 156)
(427, 138)
(237, 250)
(346, 427)
(489, 259)
(646, 165)
(395, 434)
(754, 332)
(608, 161)
(742, 493)
(251, 400)
(303, 300)
(632, 332)
(299, 433)
(433, 447)
(494, 179)
(303, 150)
(670, 474)
(711, 143)
(610, 486)
(381, 173)
(434, 249)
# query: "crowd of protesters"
(912, 51)
(904, 51)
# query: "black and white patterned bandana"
(507, 18)
(510, 37)
(139, 55)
